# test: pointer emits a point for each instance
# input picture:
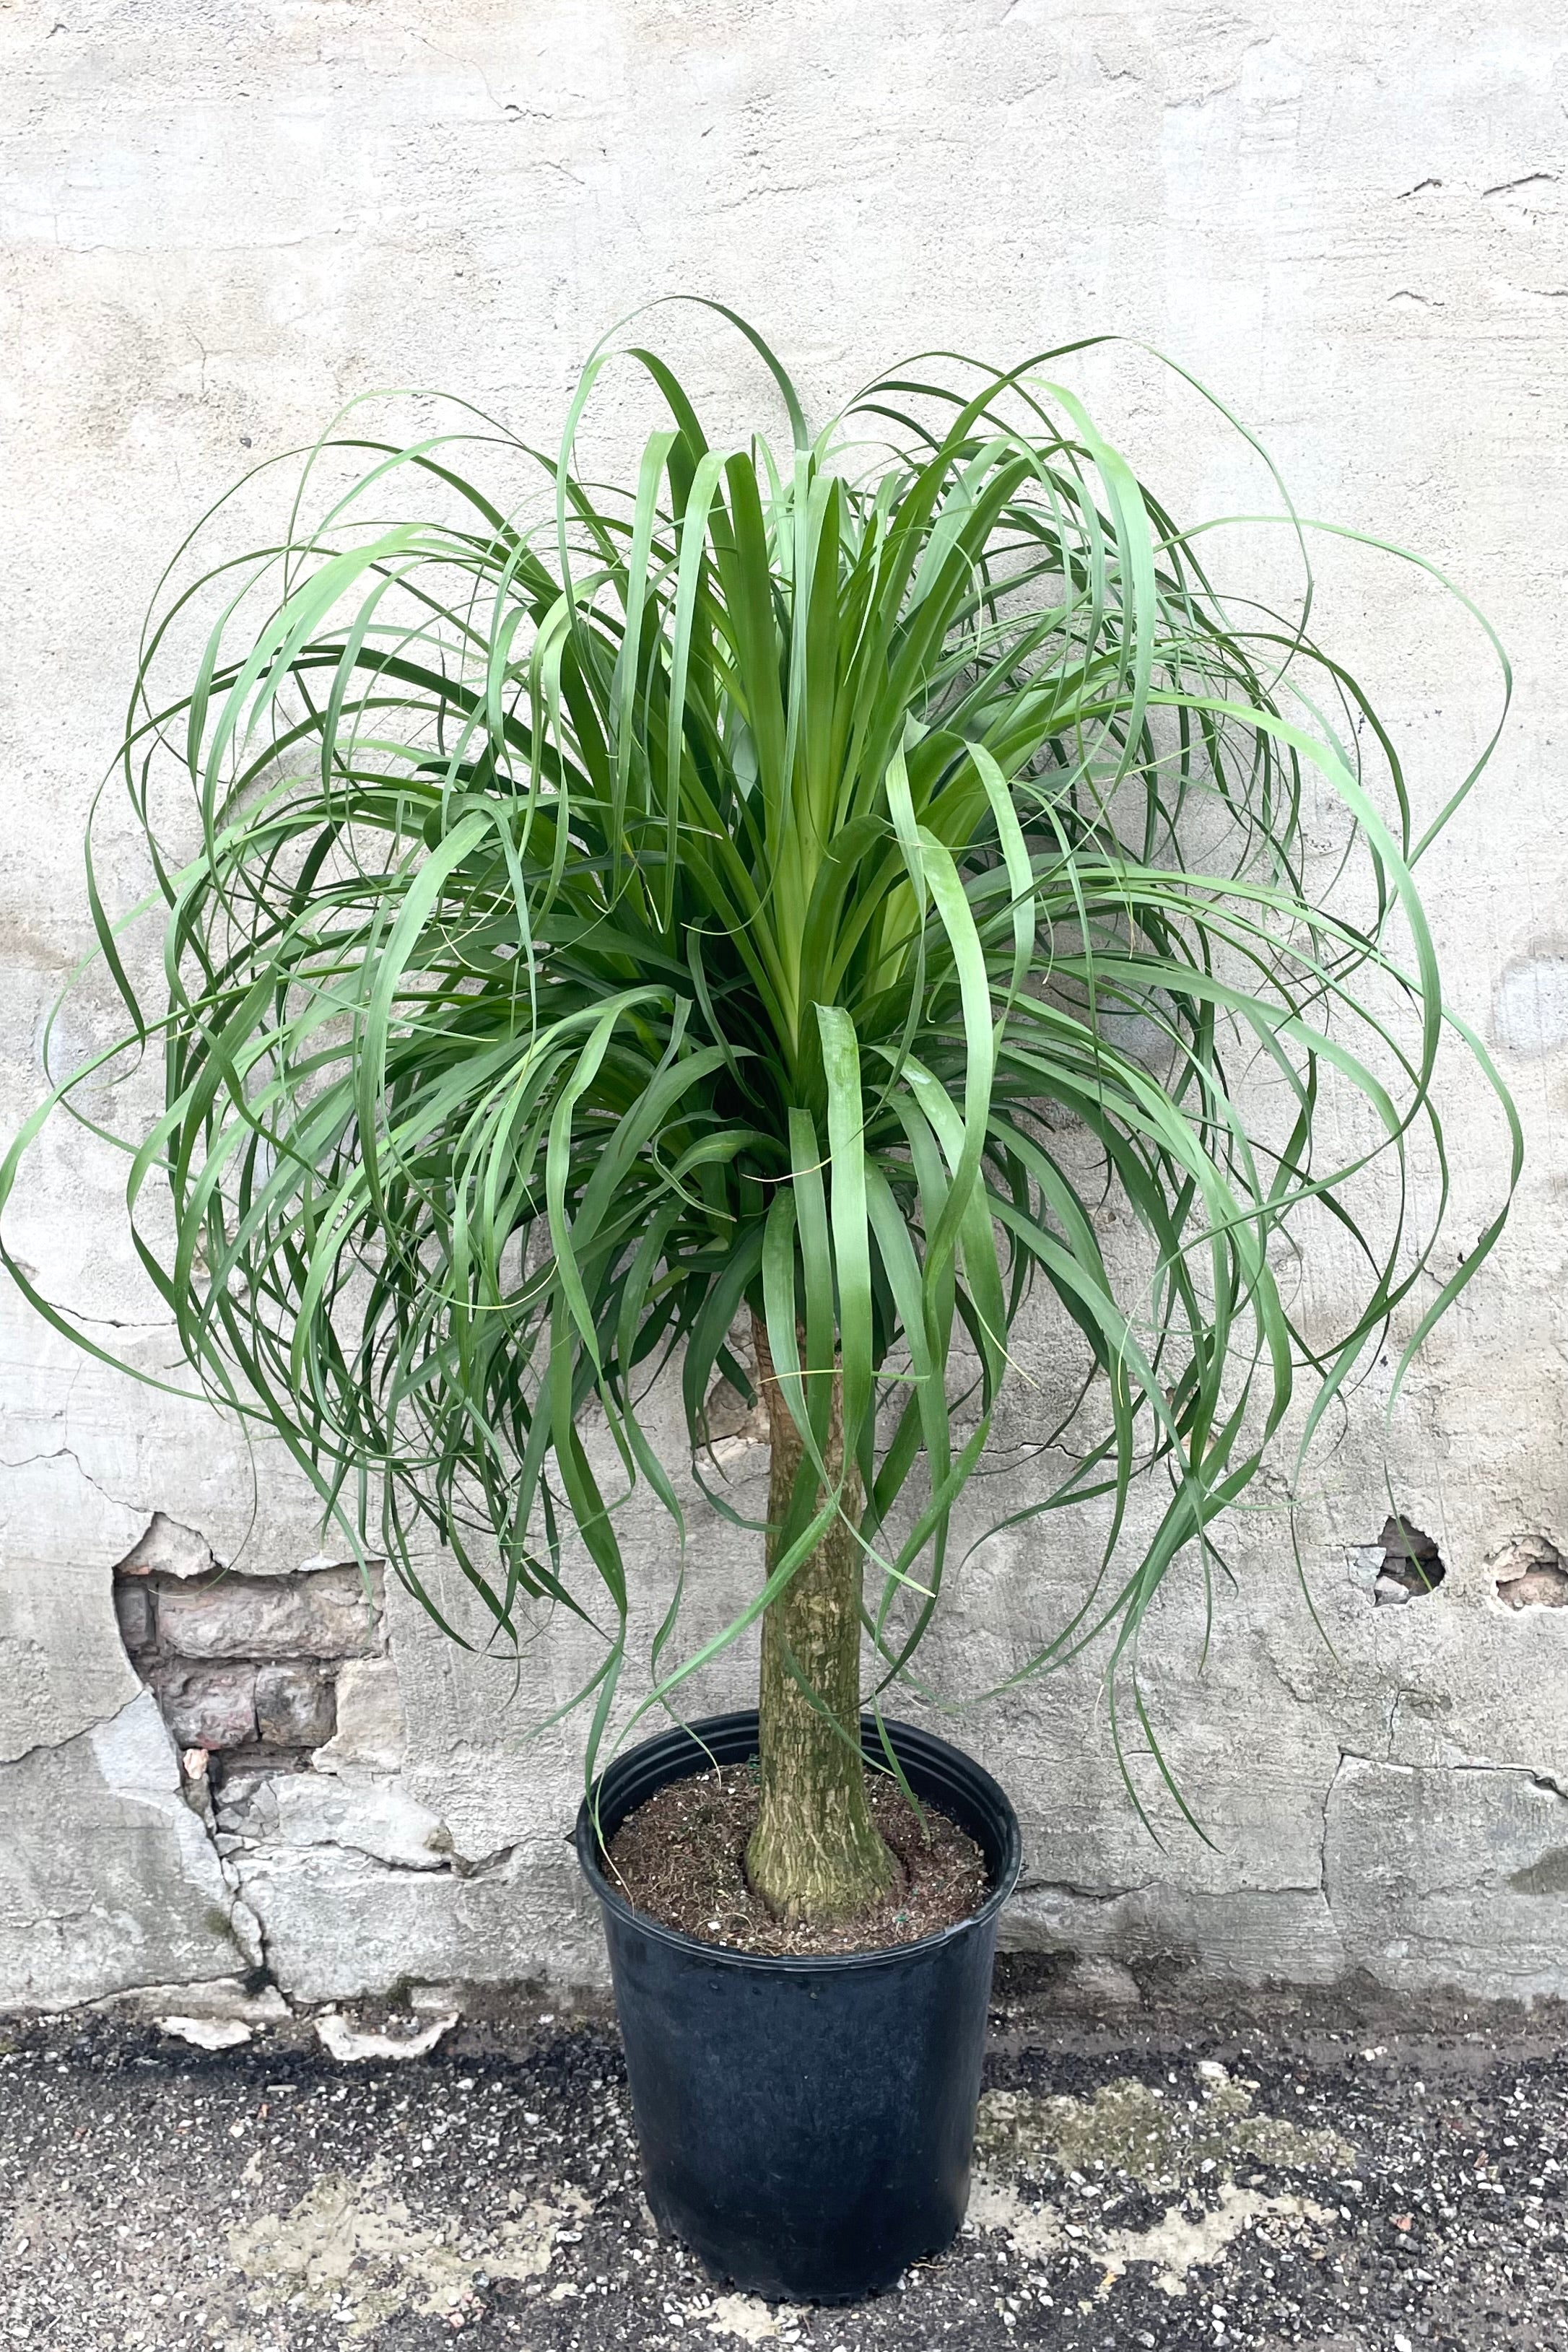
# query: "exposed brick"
(133, 1607)
(294, 1706)
(323, 1616)
(347, 1621)
(208, 1706)
(370, 1722)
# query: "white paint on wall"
(1530, 1012)
(218, 223)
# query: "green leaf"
(864, 887)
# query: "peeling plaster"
(136, 1894)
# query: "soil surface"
(681, 1858)
(1338, 2175)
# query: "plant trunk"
(815, 1852)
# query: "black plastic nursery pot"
(805, 2123)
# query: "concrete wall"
(218, 221)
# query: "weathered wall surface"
(220, 221)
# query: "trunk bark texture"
(815, 1852)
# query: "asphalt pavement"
(1334, 2173)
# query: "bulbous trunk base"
(815, 1852)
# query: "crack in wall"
(1347, 1756)
(1081, 1893)
(68, 1453)
(1527, 180)
(42, 1747)
(262, 1973)
(145, 1900)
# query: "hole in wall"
(245, 1669)
(1532, 1574)
(1411, 1568)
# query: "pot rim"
(804, 1963)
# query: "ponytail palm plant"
(752, 919)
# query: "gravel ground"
(1290, 2172)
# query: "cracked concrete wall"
(217, 224)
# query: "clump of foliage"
(797, 885)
